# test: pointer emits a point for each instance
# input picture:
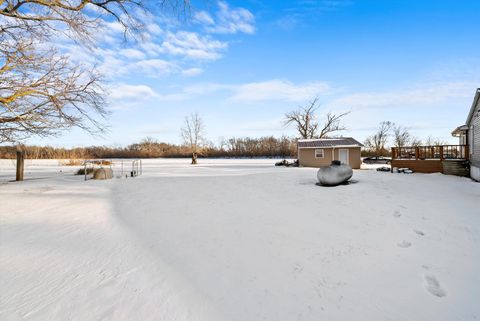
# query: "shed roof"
(329, 142)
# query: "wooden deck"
(447, 159)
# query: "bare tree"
(332, 124)
(307, 125)
(377, 142)
(78, 19)
(434, 141)
(401, 136)
(43, 92)
(414, 141)
(304, 120)
(193, 135)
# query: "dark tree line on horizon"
(283, 147)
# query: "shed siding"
(306, 157)
(355, 157)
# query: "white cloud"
(227, 20)
(153, 67)
(125, 96)
(156, 52)
(132, 53)
(125, 92)
(193, 45)
(278, 90)
(192, 72)
(203, 17)
(154, 28)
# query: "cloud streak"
(278, 90)
(424, 95)
(264, 91)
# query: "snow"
(237, 240)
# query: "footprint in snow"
(397, 214)
(419, 232)
(433, 286)
(404, 244)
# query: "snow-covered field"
(237, 240)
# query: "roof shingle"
(329, 142)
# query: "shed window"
(319, 153)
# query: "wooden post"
(20, 165)
(417, 152)
(441, 152)
(391, 162)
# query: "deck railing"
(440, 152)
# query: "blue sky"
(242, 64)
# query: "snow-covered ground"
(237, 240)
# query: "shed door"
(343, 156)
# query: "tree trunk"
(20, 165)
(194, 158)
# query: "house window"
(319, 153)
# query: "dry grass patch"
(71, 162)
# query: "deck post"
(393, 157)
(467, 152)
(20, 165)
(417, 152)
(441, 152)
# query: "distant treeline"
(151, 148)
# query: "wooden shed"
(321, 152)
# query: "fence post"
(20, 165)
(417, 152)
(441, 152)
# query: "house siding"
(475, 153)
(306, 157)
